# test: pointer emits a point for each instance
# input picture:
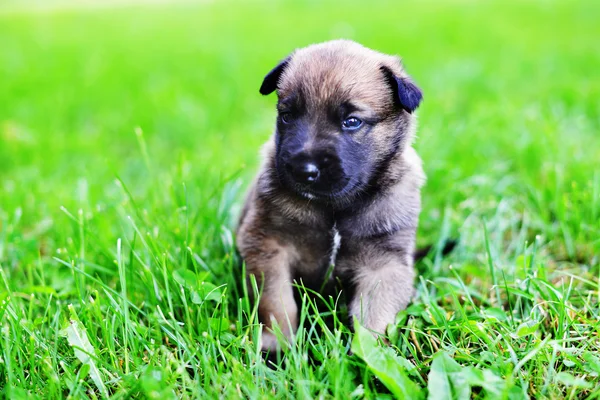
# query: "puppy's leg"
(380, 294)
(383, 282)
(269, 262)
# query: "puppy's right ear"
(270, 82)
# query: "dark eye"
(286, 117)
(351, 123)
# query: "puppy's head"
(344, 111)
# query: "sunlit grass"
(127, 137)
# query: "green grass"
(128, 134)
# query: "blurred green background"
(143, 119)
(510, 90)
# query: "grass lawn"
(127, 137)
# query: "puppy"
(340, 162)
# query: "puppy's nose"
(306, 172)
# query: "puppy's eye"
(351, 123)
(286, 117)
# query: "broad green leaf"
(592, 362)
(446, 380)
(203, 276)
(186, 278)
(492, 384)
(496, 313)
(215, 324)
(154, 384)
(226, 337)
(568, 363)
(569, 380)
(527, 328)
(16, 393)
(84, 351)
(516, 392)
(210, 291)
(389, 367)
(206, 291)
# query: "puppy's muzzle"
(317, 173)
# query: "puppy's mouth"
(312, 192)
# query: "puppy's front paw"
(269, 342)
(270, 347)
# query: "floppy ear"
(270, 82)
(406, 92)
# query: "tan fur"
(283, 236)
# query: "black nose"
(305, 172)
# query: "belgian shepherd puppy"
(340, 162)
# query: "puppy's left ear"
(270, 82)
(406, 92)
